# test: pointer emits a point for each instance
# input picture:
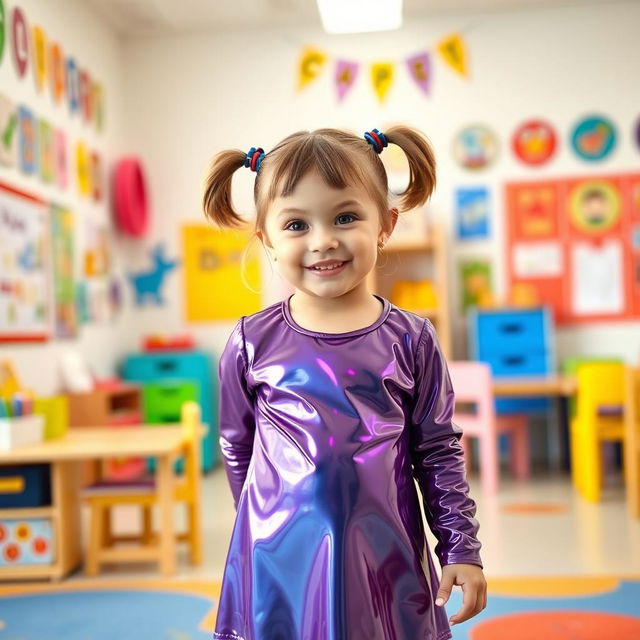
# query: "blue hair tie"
(376, 139)
(254, 158)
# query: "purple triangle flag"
(346, 73)
(420, 70)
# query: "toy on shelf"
(158, 342)
(414, 295)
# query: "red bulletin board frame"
(36, 335)
(541, 212)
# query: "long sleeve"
(437, 457)
(236, 411)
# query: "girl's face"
(324, 240)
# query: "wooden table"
(532, 386)
(545, 386)
(162, 442)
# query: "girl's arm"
(236, 411)
(438, 460)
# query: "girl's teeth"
(335, 266)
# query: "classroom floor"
(537, 528)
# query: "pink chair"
(472, 384)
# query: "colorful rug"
(580, 608)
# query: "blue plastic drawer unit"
(514, 342)
(195, 366)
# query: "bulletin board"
(214, 287)
(24, 272)
(574, 245)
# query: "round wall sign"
(593, 138)
(534, 142)
(475, 147)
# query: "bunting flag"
(311, 63)
(453, 53)
(382, 78)
(420, 66)
(420, 70)
(346, 73)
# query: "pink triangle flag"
(346, 73)
(420, 70)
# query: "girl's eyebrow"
(296, 210)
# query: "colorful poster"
(570, 246)
(476, 287)
(8, 132)
(40, 57)
(28, 141)
(472, 212)
(20, 41)
(24, 256)
(47, 151)
(83, 170)
(72, 87)
(62, 226)
(61, 159)
(57, 77)
(213, 263)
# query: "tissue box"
(21, 431)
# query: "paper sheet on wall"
(537, 259)
(597, 278)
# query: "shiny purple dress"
(322, 436)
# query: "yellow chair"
(599, 417)
(102, 497)
(632, 441)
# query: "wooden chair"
(632, 440)
(599, 418)
(472, 384)
(103, 496)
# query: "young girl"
(331, 403)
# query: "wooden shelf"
(426, 256)
(30, 512)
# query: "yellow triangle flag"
(382, 78)
(453, 52)
(310, 65)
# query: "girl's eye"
(295, 225)
(345, 218)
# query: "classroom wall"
(176, 100)
(95, 47)
(193, 95)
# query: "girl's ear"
(264, 238)
(390, 225)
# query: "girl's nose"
(322, 240)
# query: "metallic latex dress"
(322, 436)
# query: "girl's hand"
(474, 590)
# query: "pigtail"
(216, 202)
(422, 164)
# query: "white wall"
(191, 96)
(82, 35)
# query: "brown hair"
(341, 158)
